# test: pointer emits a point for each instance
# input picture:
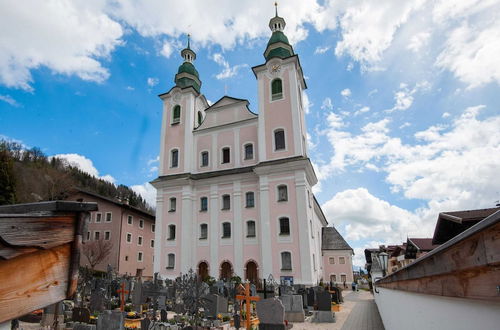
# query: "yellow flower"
(219, 316)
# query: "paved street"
(364, 315)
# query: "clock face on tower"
(275, 68)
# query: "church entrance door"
(251, 272)
(226, 270)
(203, 270)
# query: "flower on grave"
(219, 316)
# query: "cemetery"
(86, 300)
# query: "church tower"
(282, 131)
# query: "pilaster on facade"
(307, 268)
(265, 228)
(158, 233)
(238, 230)
(214, 230)
(185, 256)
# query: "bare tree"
(96, 251)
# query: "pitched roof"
(423, 244)
(450, 224)
(332, 240)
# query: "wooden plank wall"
(468, 269)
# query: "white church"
(234, 192)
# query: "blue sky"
(403, 116)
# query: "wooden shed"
(40, 245)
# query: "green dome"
(279, 52)
(278, 36)
(188, 68)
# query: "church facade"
(234, 192)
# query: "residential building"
(130, 230)
(234, 192)
(337, 257)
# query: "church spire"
(278, 45)
(187, 76)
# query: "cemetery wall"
(408, 310)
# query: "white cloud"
(84, 164)
(418, 41)
(152, 82)
(227, 71)
(361, 110)
(168, 48)
(404, 125)
(129, 88)
(321, 50)
(404, 96)
(147, 191)
(68, 37)
(306, 102)
(8, 99)
(449, 167)
(446, 115)
(345, 92)
(327, 104)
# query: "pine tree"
(7, 184)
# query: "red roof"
(423, 244)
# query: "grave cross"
(247, 298)
(122, 293)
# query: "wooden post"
(247, 298)
(122, 293)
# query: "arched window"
(284, 226)
(174, 158)
(250, 228)
(279, 139)
(282, 193)
(204, 158)
(170, 261)
(176, 115)
(249, 151)
(226, 230)
(203, 231)
(200, 117)
(286, 261)
(226, 202)
(276, 89)
(171, 232)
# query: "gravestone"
(303, 293)
(81, 326)
(335, 292)
(324, 312)
(215, 304)
(162, 302)
(294, 311)
(81, 314)
(237, 321)
(163, 315)
(271, 314)
(145, 323)
(97, 300)
(253, 290)
(311, 297)
(110, 320)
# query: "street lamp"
(382, 257)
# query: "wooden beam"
(37, 231)
(33, 280)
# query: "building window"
(282, 193)
(176, 116)
(331, 260)
(107, 235)
(203, 231)
(97, 235)
(286, 261)
(226, 202)
(225, 155)
(170, 261)
(174, 158)
(139, 240)
(173, 204)
(342, 260)
(226, 230)
(343, 278)
(141, 223)
(200, 118)
(152, 243)
(250, 199)
(251, 228)
(88, 236)
(314, 261)
(108, 216)
(126, 258)
(333, 278)
(98, 217)
(171, 232)
(249, 151)
(204, 158)
(153, 227)
(284, 226)
(139, 256)
(276, 89)
(309, 198)
(130, 219)
(311, 225)
(129, 238)
(279, 139)
(203, 204)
